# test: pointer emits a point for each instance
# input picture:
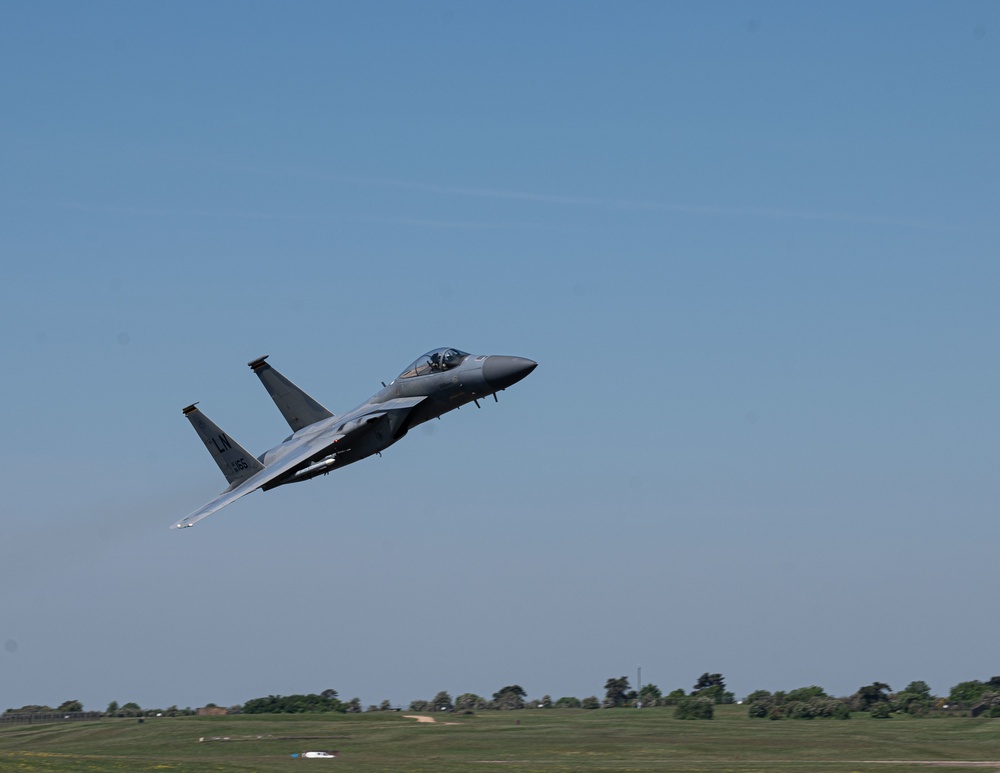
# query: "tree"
(707, 680)
(759, 704)
(329, 694)
(31, 709)
(674, 697)
(469, 701)
(805, 693)
(713, 687)
(112, 709)
(510, 697)
(915, 700)
(568, 703)
(919, 688)
(442, 702)
(966, 694)
(616, 692)
(590, 702)
(131, 709)
(69, 706)
(869, 695)
(297, 704)
(650, 695)
(419, 705)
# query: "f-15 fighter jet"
(432, 385)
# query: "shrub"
(799, 710)
(694, 708)
(770, 708)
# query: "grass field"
(528, 740)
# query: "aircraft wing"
(305, 450)
(284, 465)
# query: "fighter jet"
(435, 383)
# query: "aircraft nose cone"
(500, 371)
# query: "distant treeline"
(978, 698)
(974, 697)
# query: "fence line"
(53, 716)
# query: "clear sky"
(752, 245)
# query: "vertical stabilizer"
(298, 408)
(236, 463)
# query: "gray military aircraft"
(437, 382)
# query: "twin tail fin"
(236, 463)
(298, 408)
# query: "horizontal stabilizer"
(298, 408)
(302, 458)
(301, 454)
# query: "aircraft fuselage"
(435, 383)
(443, 391)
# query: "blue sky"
(751, 245)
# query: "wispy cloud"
(593, 202)
(165, 212)
(632, 204)
(115, 209)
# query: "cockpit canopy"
(434, 362)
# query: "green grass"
(530, 740)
